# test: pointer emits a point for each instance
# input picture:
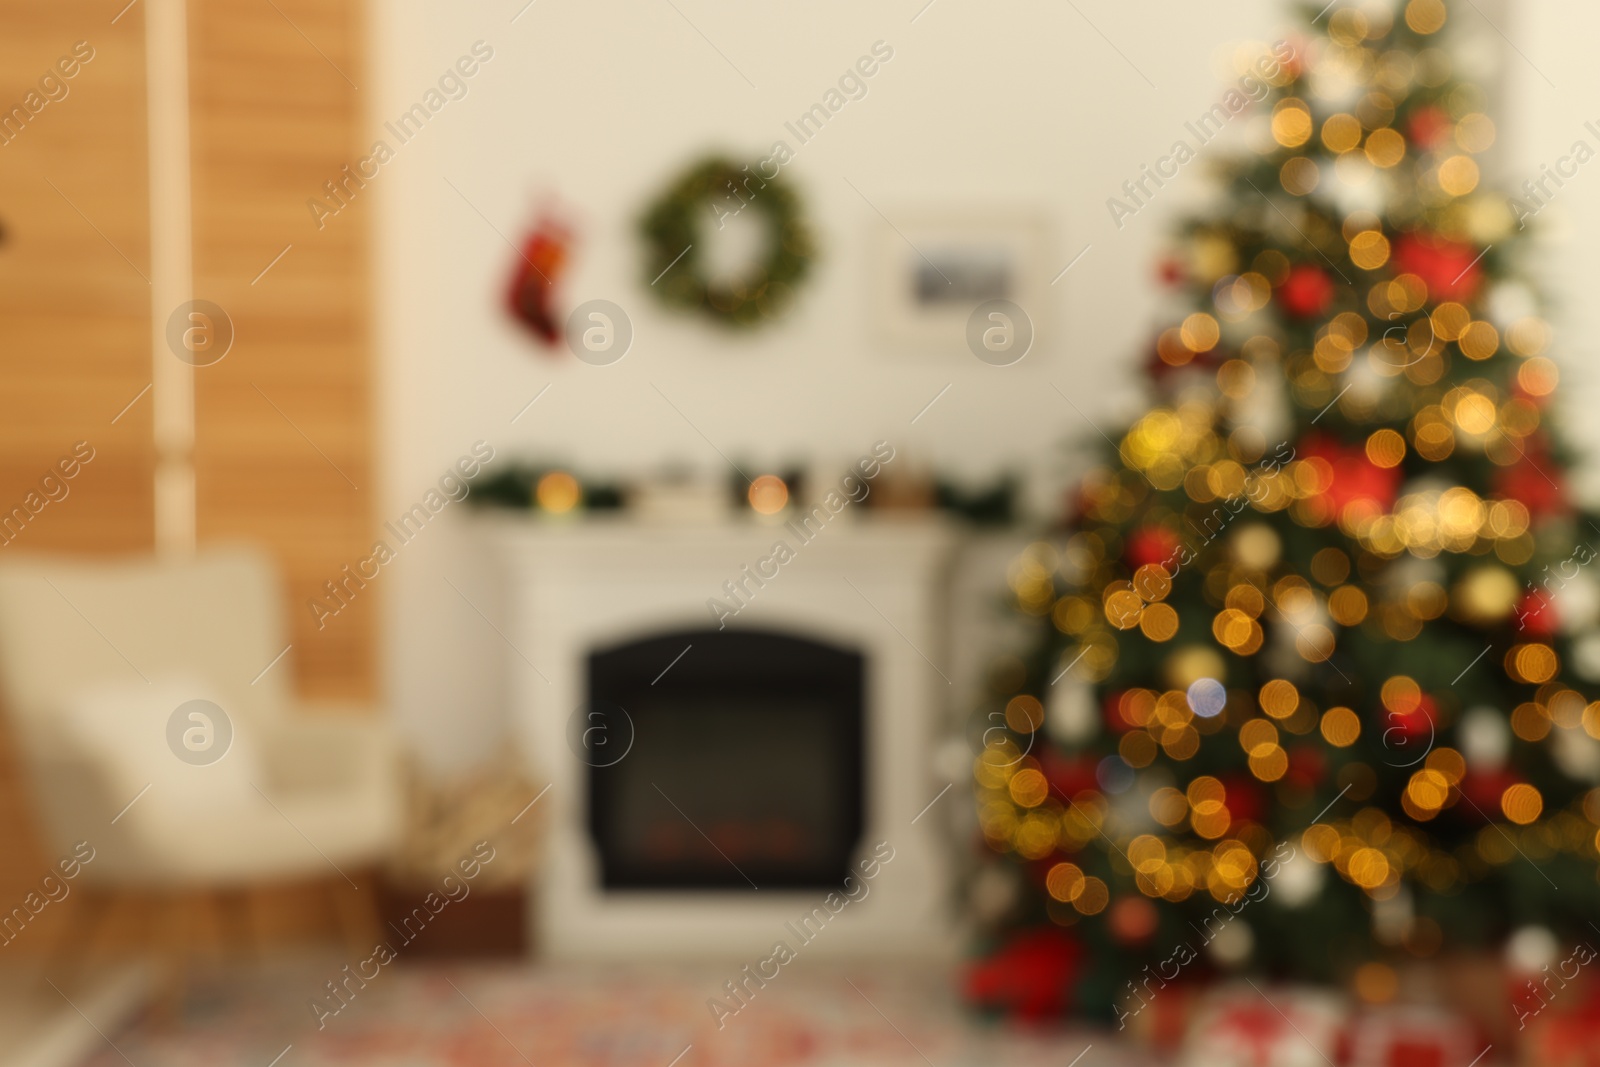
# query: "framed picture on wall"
(931, 269)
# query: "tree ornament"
(1429, 126)
(1534, 481)
(1307, 292)
(1361, 188)
(1536, 614)
(1450, 269)
(1576, 602)
(1585, 657)
(1354, 477)
(1212, 256)
(1488, 219)
(1132, 920)
(1190, 664)
(1394, 916)
(1307, 767)
(1270, 413)
(1233, 944)
(1206, 697)
(1070, 717)
(1511, 302)
(1576, 753)
(1485, 738)
(1256, 545)
(1403, 574)
(1412, 724)
(1113, 775)
(1484, 787)
(707, 196)
(1246, 802)
(1070, 777)
(1151, 545)
(1299, 881)
(1486, 594)
(1132, 808)
(1336, 85)
(1367, 386)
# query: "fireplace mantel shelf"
(911, 536)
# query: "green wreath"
(705, 195)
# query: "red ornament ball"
(1112, 710)
(1534, 482)
(1151, 544)
(1536, 615)
(1132, 920)
(1069, 777)
(1307, 766)
(1450, 269)
(1354, 476)
(1403, 727)
(1429, 127)
(1245, 801)
(1484, 789)
(1306, 292)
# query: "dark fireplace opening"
(746, 765)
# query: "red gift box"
(1253, 1026)
(1566, 1031)
(1510, 1008)
(1563, 1041)
(1412, 1037)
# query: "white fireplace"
(871, 587)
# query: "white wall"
(1553, 89)
(601, 103)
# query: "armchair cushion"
(324, 794)
(315, 748)
(162, 734)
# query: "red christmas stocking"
(532, 294)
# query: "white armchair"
(95, 656)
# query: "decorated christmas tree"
(1306, 692)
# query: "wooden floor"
(58, 1026)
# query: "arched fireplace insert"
(746, 766)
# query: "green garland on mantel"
(705, 196)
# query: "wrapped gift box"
(1565, 1033)
(1412, 1037)
(1260, 1026)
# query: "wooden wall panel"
(74, 310)
(284, 431)
(283, 450)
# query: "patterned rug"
(517, 1016)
